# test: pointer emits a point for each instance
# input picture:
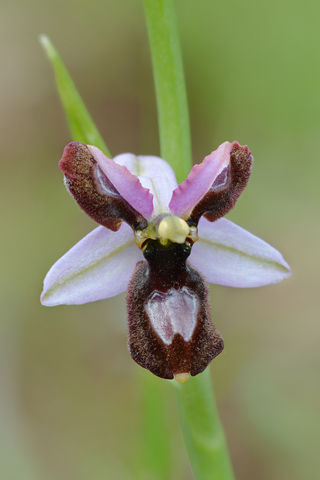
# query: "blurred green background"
(71, 398)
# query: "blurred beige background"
(70, 401)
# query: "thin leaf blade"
(80, 122)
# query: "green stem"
(174, 129)
(202, 429)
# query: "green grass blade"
(155, 462)
(80, 122)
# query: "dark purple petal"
(226, 188)
(213, 187)
(170, 329)
(199, 180)
(128, 185)
(227, 254)
(99, 266)
(97, 184)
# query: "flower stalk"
(173, 117)
(202, 430)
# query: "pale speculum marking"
(173, 312)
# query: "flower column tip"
(173, 228)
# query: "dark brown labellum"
(170, 329)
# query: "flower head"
(157, 240)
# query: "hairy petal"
(125, 182)
(97, 183)
(99, 266)
(213, 187)
(199, 180)
(154, 174)
(229, 255)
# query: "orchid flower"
(161, 242)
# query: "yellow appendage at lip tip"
(173, 228)
(182, 377)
